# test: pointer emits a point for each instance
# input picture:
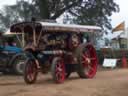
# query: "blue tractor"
(11, 58)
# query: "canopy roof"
(52, 27)
(8, 33)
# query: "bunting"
(119, 27)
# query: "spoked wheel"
(87, 66)
(58, 70)
(30, 72)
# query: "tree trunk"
(43, 6)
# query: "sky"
(116, 17)
(122, 15)
(6, 2)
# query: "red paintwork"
(60, 71)
(92, 66)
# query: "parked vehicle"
(58, 48)
(11, 57)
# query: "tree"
(94, 12)
(21, 11)
(52, 9)
(97, 12)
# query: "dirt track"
(106, 83)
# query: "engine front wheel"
(30, 72)
(87, 66)
(58, 70)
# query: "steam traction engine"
(58, 48)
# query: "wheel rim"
(60, 71)
(20, 66)
(31, 70)
(89, 61)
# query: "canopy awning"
(8, 33)
(52, 27)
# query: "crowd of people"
(10, 42)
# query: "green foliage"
(91, 12)
(21, 11)
(96, 12)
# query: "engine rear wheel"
(58, 70)
(87, 66)
(30, 72)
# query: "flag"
(119, 27)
